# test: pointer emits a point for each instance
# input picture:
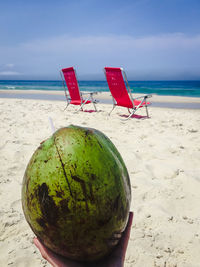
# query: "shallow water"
(173, 88)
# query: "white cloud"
(62, 43)
(9, 65)
(9, 73)
(6, 70)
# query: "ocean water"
(173, 88)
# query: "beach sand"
(162, 155)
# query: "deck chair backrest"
(117, 86)
(72, 83)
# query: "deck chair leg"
(111, 110)
(93, 102)
(147, 112)
(94, 106)
(131, 114)
(145, 100)
(85, 101)
(81, 107)
(66, 106)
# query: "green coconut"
(76, 193)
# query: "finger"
(41, 248)
(122, 246)
(128, 227)
(127, 232)
(54, 259)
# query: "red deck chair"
(69, 75)
(121, 97)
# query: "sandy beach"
(162, 155)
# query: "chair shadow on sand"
(135, 116)
(89, 111)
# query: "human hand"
(115, 259)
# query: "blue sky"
(150, 39)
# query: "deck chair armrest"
(145, 96)
(90, 93)
(90, 96)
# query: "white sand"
(162, 155)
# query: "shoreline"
(180, 102)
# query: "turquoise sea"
(173, 88)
